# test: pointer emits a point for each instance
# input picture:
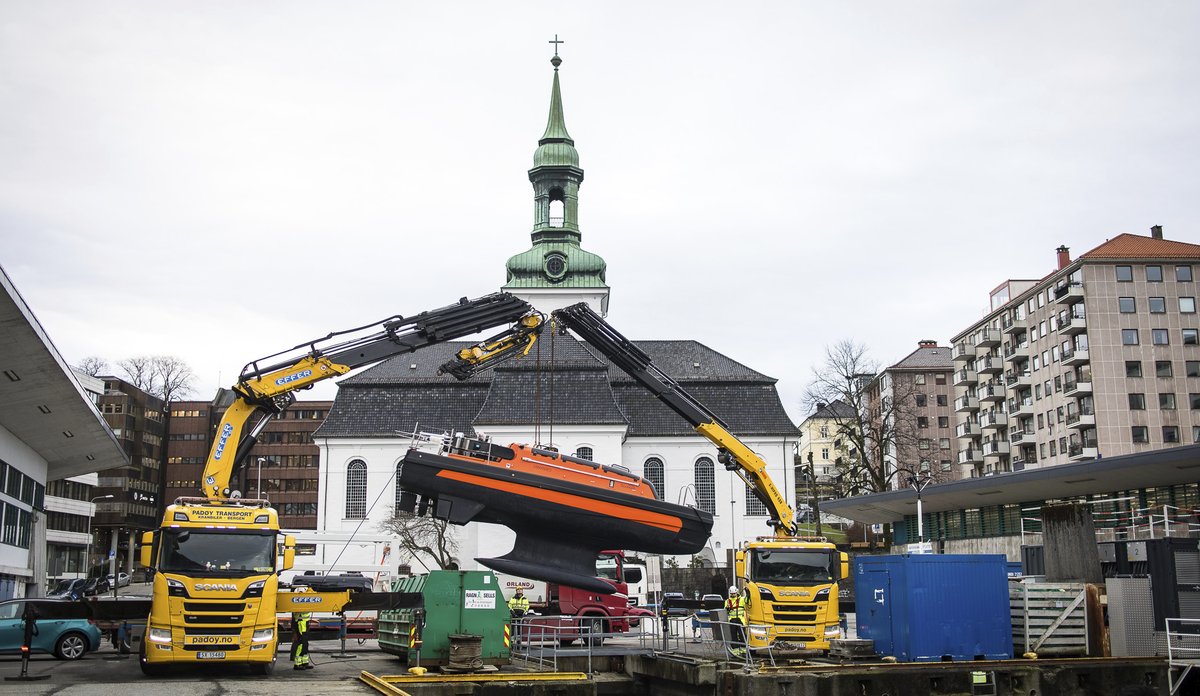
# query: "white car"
(121, 581)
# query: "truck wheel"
(70, 646)
(594, 630)
(262, 669)
(148, 669)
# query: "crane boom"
(732, 452)
(267, 386)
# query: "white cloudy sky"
(221, 180)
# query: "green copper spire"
(556, 260)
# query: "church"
(562, 395)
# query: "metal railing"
(1183, 650)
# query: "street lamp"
(918, 484)
(258, 487)
(87, 554)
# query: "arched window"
(356, 490)
(399, 490)
(585, 452)
(652, 471)
(556, 213)
(706, 485)
(754, 506)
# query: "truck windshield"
(217, 552)
(606, 567)
(791, 566)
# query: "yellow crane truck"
(216, 557)
(791, 581)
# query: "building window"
(1162, 368)
(918, 379)
(1125, 274)
(652, 471)
(939, 378)
(1129, 337)
(1170, 434)
(943, 400)
(356, 490)
(923, 443)
(920, 400)
(1195, 433)
(1194, 400)
(1140, 434)
(1166, 402)
(1154, 274)
(824, 431)
(754, 506)
(1127, 305)
(1158, 305)
(1193, 368)
(1137, 402)
(944, 443)
(706, 485)
(1159, 337)
(1187, 305)
(922, 422)
(1133, 368)
(1190, 337)
(943, 421)
(1183, 274)
(585, 452)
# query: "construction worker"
(735, 606)
(301, 623)
(518, 606)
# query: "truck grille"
(222, 607)
(210, 631)
(217, 619)
(804, 615)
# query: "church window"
(585, 452)
(356, 490)
(652, 471)
(754, 506)
(556, 213)
(399, 490)
(706, 485)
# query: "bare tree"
(164, 376)
(424, 537)
(93, 366)
(876, 423)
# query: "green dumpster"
(458, 606)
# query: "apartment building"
(914, 397)
(824, 445)
(1099, 358)
(281, 467)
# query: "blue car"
(60, 631)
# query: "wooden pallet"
(1049, 618)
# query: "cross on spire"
(556, 42)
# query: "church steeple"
(557, 266)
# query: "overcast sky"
(223, 180)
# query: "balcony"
(987, 338)
(1020, 407)
(989, 365)
(990, 393)
(1073, 324)
(1016, 351)
(1081, 451)
(966, 403)
(967, 430)
(1016, 380)
(1018, 436)
(970, 456)
(963, 351)
(1073, 357)
(1074, 387)
(1011, 326)
(993, 419)
(1069, 293)
(964, 377)
(1081, 419)
(995, 448)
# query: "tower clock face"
(556, 266)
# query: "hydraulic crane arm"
(267, 386)
(732, 452)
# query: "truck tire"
(262, 669)
(593, 628)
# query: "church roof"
(577, 388)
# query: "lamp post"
(918, 484)
(87, 554)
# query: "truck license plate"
(210, 655)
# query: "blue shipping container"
(930, 608)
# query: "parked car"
(121, 580)
(60, 629)
(702, 614)
(96, 586)
(71, 588)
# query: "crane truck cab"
(791, 587)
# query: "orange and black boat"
(563, 509)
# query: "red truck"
(567, 614)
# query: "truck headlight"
(758, 631)
(254, 589)
(822, 595)
(159, 635)
(263, 635)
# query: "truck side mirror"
(739, 564)
(147, 547)
(845, 563)
(289, 552)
